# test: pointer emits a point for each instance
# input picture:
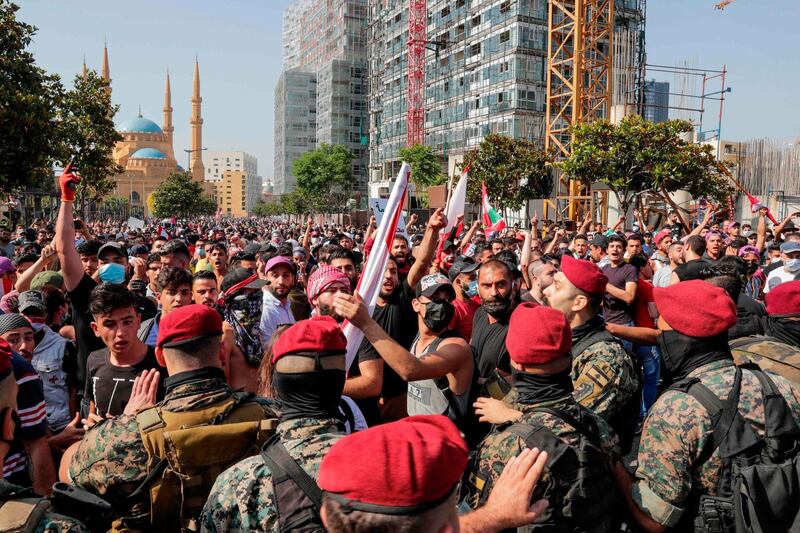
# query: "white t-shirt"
(776, 277)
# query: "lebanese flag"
(369, 284)
(162, 232)
(491, 218)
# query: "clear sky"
(238, 43)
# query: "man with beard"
(663, 275)
(438, 367)
(6, 246)
(323, 286)
(382, 393)
(489, 327)
(345, 261)
(463, 275)
(241, 302)
(714, 247)
(276, 307)
(683, 458)
(402, 256)
(204, 288)
(779, 349)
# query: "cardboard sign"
(378, 206)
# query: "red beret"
(413, 465)
(696, 308)
(5, 358)
(550, 339)
(317, 334)
(585, 275)
(660, 236)
(784, 299)
(186, 324)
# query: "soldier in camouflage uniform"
(694, 319)
(540, 361)
(308, 380)
(23, 500)
(113, 460)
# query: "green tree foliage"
(514, 171)
(425, 167)
(182, 197)
(638, 157)
(28, 100)
(87, 133)
(324, 178)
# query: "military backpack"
(187, 451)
(759, 483)
(769, 354)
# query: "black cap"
(600, 241)
(462, 265)
(113, 247)
(252, 248)
(139, 249)
(237, 276)
(447, 245)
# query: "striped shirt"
(32, 417)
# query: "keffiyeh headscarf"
(243, 312)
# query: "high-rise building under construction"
(321, 96)
(485, 72)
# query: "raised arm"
(779, 229)
(24, 280)
(761, 229)
(706, 219)
(467, 240)
(64, 240)
(427, 248)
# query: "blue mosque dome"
(139, 125)
(148, 153)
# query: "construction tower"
(417, 42)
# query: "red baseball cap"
(585, 275)
(784, 299)
(696, 308)
(187, 324)
(660, 236)
(318, 335)
(414, 464)
(550, 339)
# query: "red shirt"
(462, 319)
(644, 295)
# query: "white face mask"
(792, 265)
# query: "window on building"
(445, 11)
(505, 6)
(476, 21)
(505, 36)
(475, 49)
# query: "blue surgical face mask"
(201, 252)
(112, 273)
(472, 291)
(792, 265)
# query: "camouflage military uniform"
(501, 445)
(50, 522)
(676, 430)
(111, 460)
(242, 499)
(769, 354)
(604, 378)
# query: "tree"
(87, 135)
(514, 171)
(324, 177)
(118, 205)
(638, 157)
(425, 168)
(182, 197)
(28, 100)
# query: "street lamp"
(189, 158)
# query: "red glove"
(68, 182)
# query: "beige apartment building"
(231, 193)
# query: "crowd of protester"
(193, 375)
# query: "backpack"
(187, 451)
(759, 483)
(581, 492)
(298, 499)
(769, 354)
(626, 421)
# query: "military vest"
(188, 450)
(769, 354)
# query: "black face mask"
(751, 268)
(784, 330)
(438, 315)
(309, 394)
(680, 354)
(536, 388)
(499, 307)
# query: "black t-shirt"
(399, 321)
(109, 386)
(615, 310)
(749, 317)
(691, 269)
(82, 319)
(489, 343)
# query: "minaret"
(196, 167)
(104, 70)
(168, 127)
(84, 71)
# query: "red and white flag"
(162, 232)
(369, 285)
(491, 218)
(455, 204)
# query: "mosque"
(146, 151)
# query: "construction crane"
(579, 79)
(417, 44)
(722, 5)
